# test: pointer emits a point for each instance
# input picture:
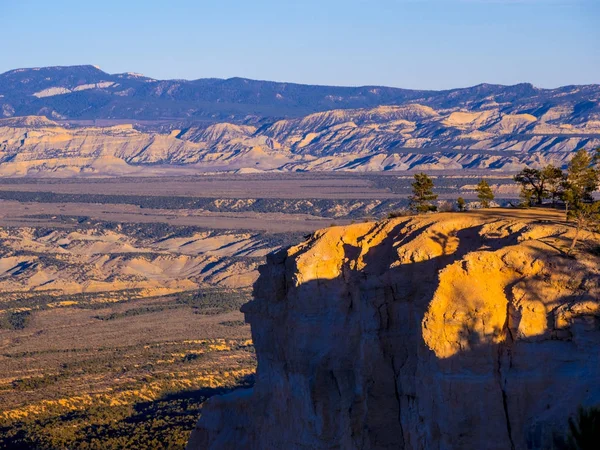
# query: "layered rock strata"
(386, 138)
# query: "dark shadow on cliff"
(420, 295)
(584, 431)
(376, 313)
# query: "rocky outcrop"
(445, 331)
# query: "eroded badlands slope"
(95, 260)
(445, 331)
(411, 137)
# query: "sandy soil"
(248, 186)
(19, 214)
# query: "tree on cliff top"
(484, 193)
(423, 196)
(555, 179)
(581, 181)
(582, 178)
(586, 217)
(537, 185)
(532, 185)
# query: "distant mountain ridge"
(57, 120)
(87, 92)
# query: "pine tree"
(537, 185)
(484, 193)
(532, 185)
(582, 180)
(423, 196)
(586, 217)
(582, 177)
(460, 202)
(554, 182)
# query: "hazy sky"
(406, 43)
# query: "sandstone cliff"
(449, 331)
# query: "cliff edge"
(444, 331)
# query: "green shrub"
(15, 320)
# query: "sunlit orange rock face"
(444, 331)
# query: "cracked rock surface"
(445, 331)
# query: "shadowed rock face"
(436, 332)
